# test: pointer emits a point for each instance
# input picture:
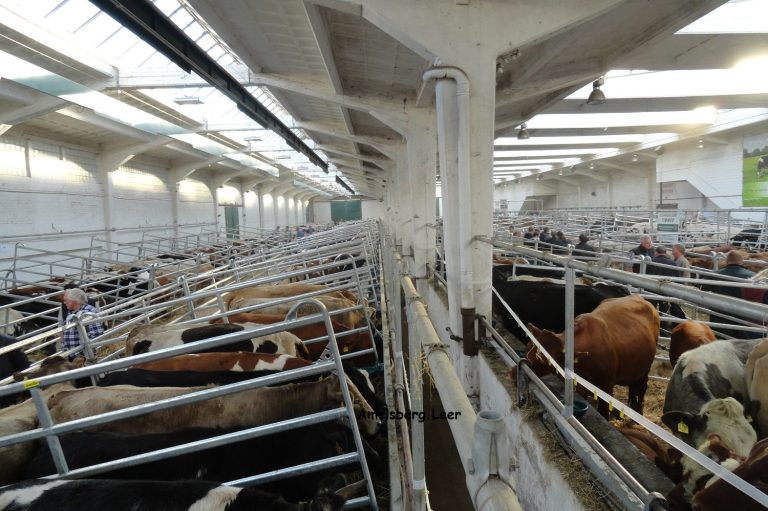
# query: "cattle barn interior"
(383, 254)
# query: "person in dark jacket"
(734, 267)
(545, 236)
(583, 246)
(660, 257)
(645, 248)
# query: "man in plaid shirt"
(76, 303)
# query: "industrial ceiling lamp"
(523, 133)
(538, 177)
(635, 158)
(596, 97)
(700, 143)
(591, 166)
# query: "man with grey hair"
(645, 248)
(76, 302)
(678, 255)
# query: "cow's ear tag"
(610, 406)
(749, 418)
(682, 427)
(28, 384)
(345, 349)
(576, 360)
(594, 396)
(621, 413)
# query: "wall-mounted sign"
(668, 227)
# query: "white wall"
(54, 189)
(715, 170)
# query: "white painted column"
(422, 148)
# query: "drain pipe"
(463, 184)
(480, 441)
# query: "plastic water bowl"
(579, 408)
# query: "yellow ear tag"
(576, 360)
(345, 349)
(682, 427)
(749, 418)
(28, 384)
(610, 406)
(594, 396)
(621, 413)
(575, 382)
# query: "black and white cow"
(711, 371)
(222, 463)
(78, 495)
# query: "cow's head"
(695, 477)
(554, 345)
(724, 417)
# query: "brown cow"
(243, 409)
(687, 336)
(17, 419)
(357, 341)
(350, 319)
(664, 457)
(235, 361)
(614, 345)
(284, 291)
(720, 495)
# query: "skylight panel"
(703, 115)
(69, 16)
(167, 7)
(595, 139)
(553, 152)
(735, 17)
(181, 18)
(688, 83)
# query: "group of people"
(676, 265)
(557, 239)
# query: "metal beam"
(344, 185)
(152, 26)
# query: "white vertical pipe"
(447, 134)
(569, 290)
(464, 178)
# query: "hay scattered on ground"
(653, 406)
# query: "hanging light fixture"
(523, 133)
(538, 177)
(596, 97)
(635, 158)
(560, 172)
(700, 143)
(591, 166)
(517, 181)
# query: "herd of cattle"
(716, 399)
(140, 485)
